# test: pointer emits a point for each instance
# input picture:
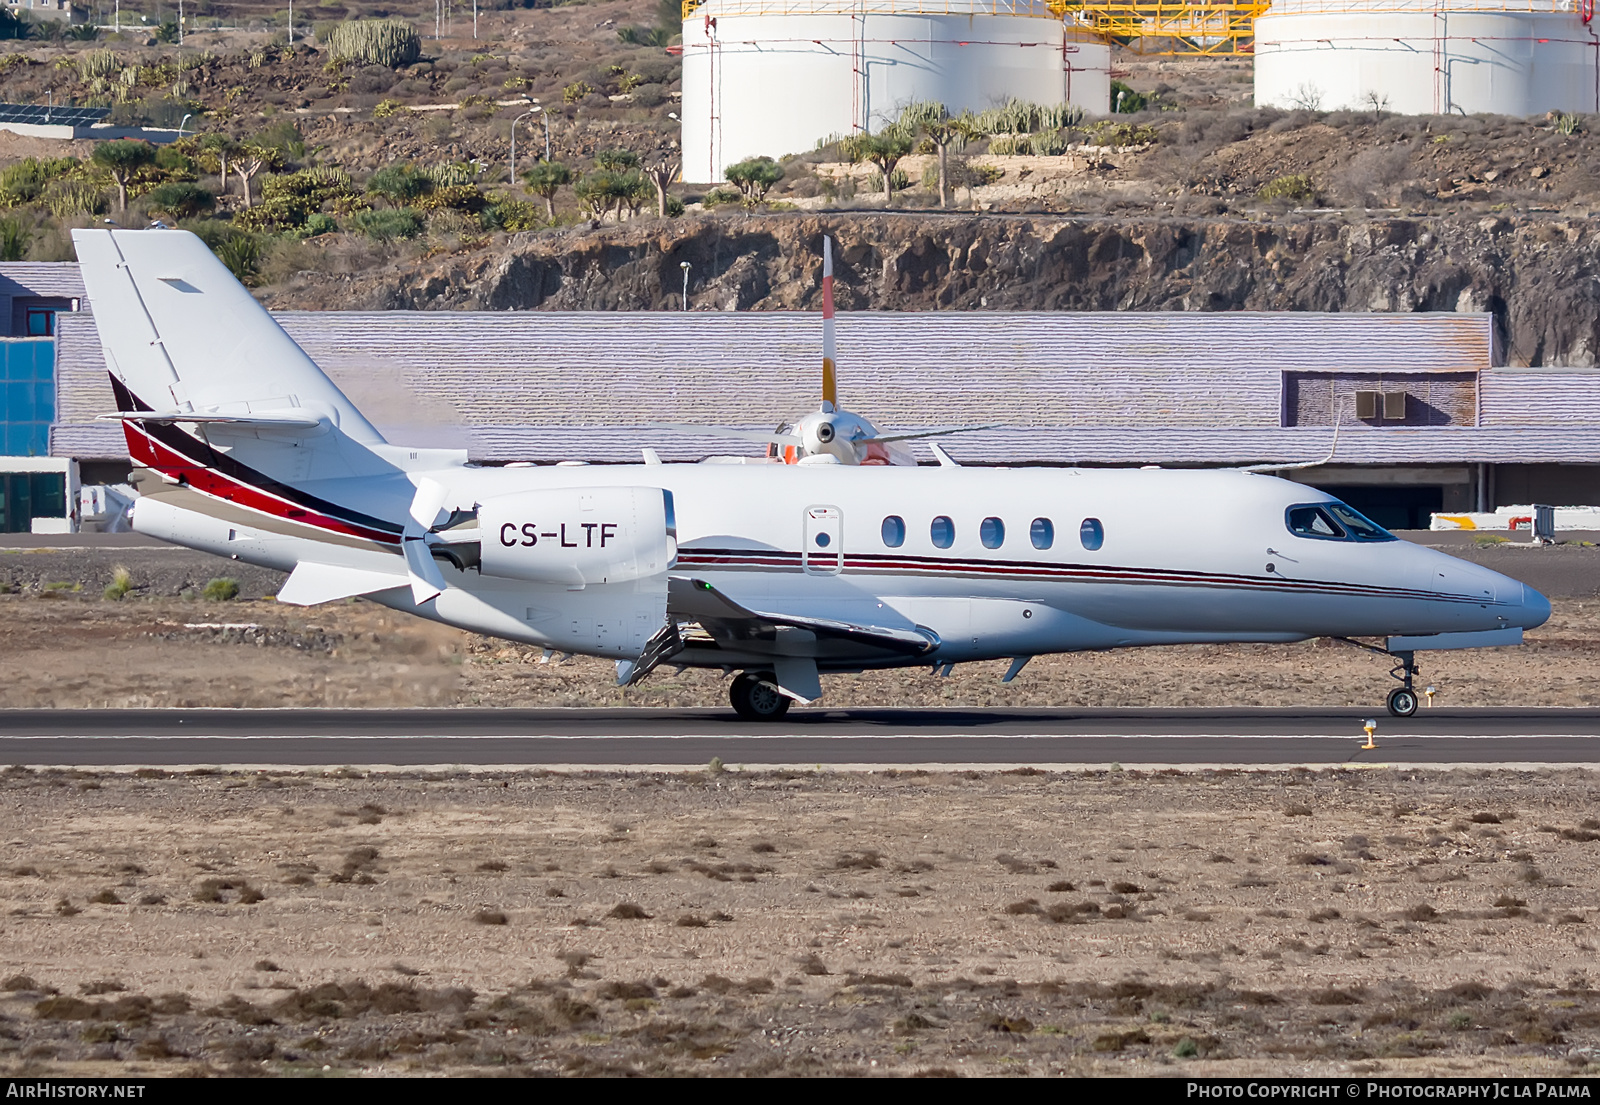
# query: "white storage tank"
(773, 77)
(1429, 57)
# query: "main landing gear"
(756, 699)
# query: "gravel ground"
(898, 922)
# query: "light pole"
(514, 122)
(684, 265)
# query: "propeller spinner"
(828, 435)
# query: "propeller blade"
(727, 431)
(428, 502)
(830, 387)
(885, 438)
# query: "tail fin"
(181, 335)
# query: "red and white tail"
(830, 386)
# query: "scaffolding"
(1204, 28)
(1175, 29)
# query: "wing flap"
(697, 600)
(312, 584)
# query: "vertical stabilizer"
(182, 335)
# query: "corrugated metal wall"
(1092, 388)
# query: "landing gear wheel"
(1402, 702)
(755, 699)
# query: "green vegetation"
(387, 42)
(221, 589)
(754, 177)
(1125, 100)
(122, 159)
(545, 180)
(1296, 188)
(121, 584)
(885, 150)
(389, 224)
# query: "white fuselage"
(1183, 556)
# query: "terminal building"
(1428, 416)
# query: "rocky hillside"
(1537, 275)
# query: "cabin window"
(894, 531)
(943, 532)
(1314, 521)
(1092, 534)
(992, 532)
(1042, 533)
(822, 540)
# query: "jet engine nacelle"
(578, 535)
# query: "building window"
(992, 532)
(41, 322)
(27, 397)
(1092, 534)
(1042, 533)
(943, 532)
(894, 531)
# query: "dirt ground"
(77, 652)
(1222, 923)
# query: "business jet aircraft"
(779, 572)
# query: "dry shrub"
(1062, 887)
(1015, 865)
(1321, 915)
(1017, 1025)
(17, 983)
(629, 911)
(691, 921)
(1422, 911)
(1485, 818)
(106, 897)
(626, 991)
(853, 979)
(103, 986)
(763, 846)
(212, 890)
(1116, 1041)
(1126, 888)
(1310, 859)
(492, 865)
(1030, 905)
(1332, 997)
(1297, 811)
(912, 1022)
(813, 965)
(490, 917)
(267, 965)
(1075, 913)
(867, 860)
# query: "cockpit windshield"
(1333, 521)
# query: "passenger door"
(822, 545)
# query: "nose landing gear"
(1403, 699)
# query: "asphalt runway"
(631, 737)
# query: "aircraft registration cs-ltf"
(779, 572)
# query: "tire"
(755, 699)
(1402, 702)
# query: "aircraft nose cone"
(1535, 609)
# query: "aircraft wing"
(727, 620)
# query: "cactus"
(97, 64)
(389, 42)
(448, 176)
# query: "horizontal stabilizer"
(310, 584)
(914, 435)
(266, 420)
(728, 431)
(698, 600)
(1487, 638)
